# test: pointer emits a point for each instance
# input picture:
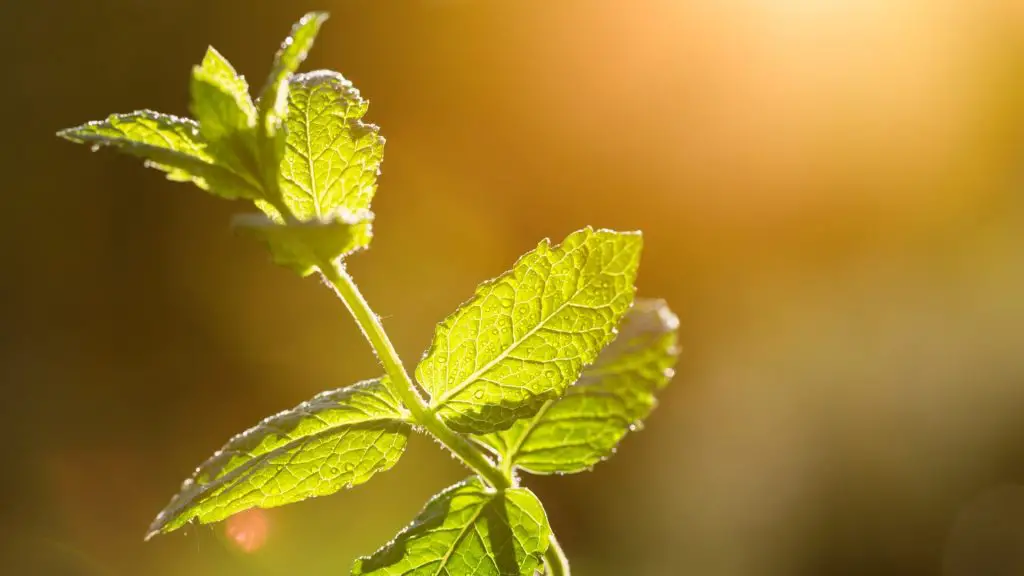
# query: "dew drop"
(335, 471)
(479, 394)
(350, 467)
(441, 359)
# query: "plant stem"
(555, 560)
(343, 284)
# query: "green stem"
(401, 383)
(555, 560)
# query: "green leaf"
(273, 102)
(332, 159)
(220, 98)
(305, 246)
(612, 397)
(336, 440)
(167, 143)
(526, 335)
(273, 98)
(226, 114)
(467, 529)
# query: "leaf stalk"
(345, 287)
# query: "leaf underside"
(307, 246)
(525, 336)
(336, 440)
(467, 529)
(613, 396)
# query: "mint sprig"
(544, 369)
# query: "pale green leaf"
(167, 143)
(220, 98)
(336, 440)
(612, 397)
(306, 246)
(525, 336)
(332, 159)
(226, 114)
(467, 529)
(272, 107)
(274, 97)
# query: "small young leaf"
(226, 114)
(273, 101)
(168, 143)
(220, 98)
(273, 98)
(467, 529)
(332, 159)
(583, 427)
(525, 336)
(336, 440)
(305, 246)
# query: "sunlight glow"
(248, 530)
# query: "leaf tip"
(156, 527)
(319, 15)
(212, 55)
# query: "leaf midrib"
(462, 533)
(309, 159)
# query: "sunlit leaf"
(332, 159)
(467, 529)
(273, 102)
(336, 440)
(526, 335)
(612, 397)
(168, 143)
(220, 98)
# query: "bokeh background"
(830, 194)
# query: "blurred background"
(831, 196)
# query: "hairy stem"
(554, 559)
(343, 284)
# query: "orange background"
(831, 197)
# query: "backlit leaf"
(336, 440)
(526, 335)
(273, 101)
(168, 143)
(614, 395)
(220, 98)
(467, 529)
(332, 159)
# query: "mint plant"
(543, 370)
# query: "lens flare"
(248, 530)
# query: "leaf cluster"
(544, 369)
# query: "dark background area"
(831, 200)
